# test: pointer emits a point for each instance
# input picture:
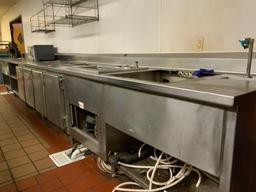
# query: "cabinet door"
(29, 89)
(39, 92)
(20, 82)
(54, 99)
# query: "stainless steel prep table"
(214, 114)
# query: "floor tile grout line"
(20, 118)
(37, 135)
(27, 125)
(31, 153)
(65, 187)
(62, 184)
(9, 169)
(38, 172)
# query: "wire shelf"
(66, 2)
(74, 20)
(68, 13)
(42, 22)
(71, 13)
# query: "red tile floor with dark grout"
(77, 177)
(2, 88)
(56, 139)
(82, 176)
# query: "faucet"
(248, 43)
(137, 64)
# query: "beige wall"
(148, 26)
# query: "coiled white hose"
(103, 166)
(77, 152)
(184, 171)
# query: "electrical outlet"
(200, 43)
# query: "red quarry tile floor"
(76, 177)
(2, 88)
(81, 176)
(56, 139)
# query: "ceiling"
(5, 5)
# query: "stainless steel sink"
(101, 69)
(159, 76)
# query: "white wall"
(0, 30)
(147, 26)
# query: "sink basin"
(159, 76)
(100, 69)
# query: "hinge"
(61, 83)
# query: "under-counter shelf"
(12, 69)
(6, 79)
(14, 85)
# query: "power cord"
(161, 163)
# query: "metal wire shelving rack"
(71, 13)
(42, 22)
(68, 13)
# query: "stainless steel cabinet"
(29, 88)
(188, 131)
(5, 68)
(84, 101)
(39, 92)
(54, 99)
(20, 82)
(6, 74)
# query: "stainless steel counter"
(207, 122)
(221, 89)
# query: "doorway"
(17, 35)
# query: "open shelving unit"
(10, 76)
(66, 13)
(42, 22)
(71, 13)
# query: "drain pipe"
(77, 151)
(248, 43)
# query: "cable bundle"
(103, 166)
(161, 163)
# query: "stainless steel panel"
(188, 131)
(228, 150)
(54, 98)
(89, 142)
(39, 92)
(5, 68)
(29, 88)
(88, 92)
(80, 91)
(20, 81)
